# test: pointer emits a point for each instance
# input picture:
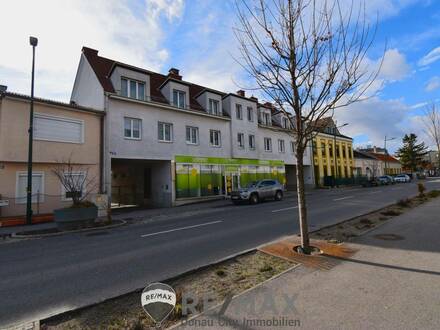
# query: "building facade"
(62, 132)
(332, 153)
(367, 165)
(168, 140)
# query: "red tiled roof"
(103, 68)
(384, 157)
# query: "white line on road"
(182, 228)
(342, 198)
(287, 208)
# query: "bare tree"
(432, 124)
(76, 180)
(308, 57)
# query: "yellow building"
(332, 154)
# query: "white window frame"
(138, 82)
(286, 123)
(131, 137)
(238, 111)
(269, 140)
(162, 138)
(251, 146)
(211, 132)
(63, 189)
(281, 146)
(250, 114)
(177, 104)
(292, 147)
(240, 140)
(23, 173)
(266, 119)
(192, 130)
(59, 118)
(212, 110)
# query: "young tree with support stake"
(308, 57)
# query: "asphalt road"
(44, 277)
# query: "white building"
(167, 140)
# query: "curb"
(18, 236)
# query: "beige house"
(61, 132)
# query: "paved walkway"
(388, 284)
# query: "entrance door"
(232, 182)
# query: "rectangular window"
(214, 107)
(238, 111)
(292, 147)
(214, 138)
(266, 119)
(165, 132)
(268, 144)
(250, 114)
(179, 99)
(133, 89)
(192, 135)
(58, 129)
(286, 123)
(75, 180)
(252, 142)
(132, 128)
(240, 140)
(37, 187)
(281, 147)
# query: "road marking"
(287, 208)
(182, 228)
(342, 198)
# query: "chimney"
(3, 88)
(375, 149)
(174, 73)
(241, 93)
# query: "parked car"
(257, 191)
(386, 179)
(402, 178)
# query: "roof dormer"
(175, 90)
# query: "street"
(43, 277)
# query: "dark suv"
(257, 191)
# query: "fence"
(330, 181)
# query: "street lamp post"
(386, 152)
(335, 149)
(33, 42)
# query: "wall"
(87, 90)
(149, 147)
(14, 123)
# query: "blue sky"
(196, 37)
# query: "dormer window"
(133, 89)
(266, 119)
(214, 107)
(285, 122)
(238, 111)
(179, 99)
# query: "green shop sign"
(227, 161)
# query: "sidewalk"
(388, 284)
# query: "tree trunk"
(302, 210)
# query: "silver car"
(257, 191)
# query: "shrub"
(421, 188)
(266, 268)
(390, 213)
(405, 202)
(433, 193)
(220, 273)
(366, 221)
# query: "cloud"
(431, 57)
(131, 34)
(394, 66)
(374, 118)
(433, 84)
